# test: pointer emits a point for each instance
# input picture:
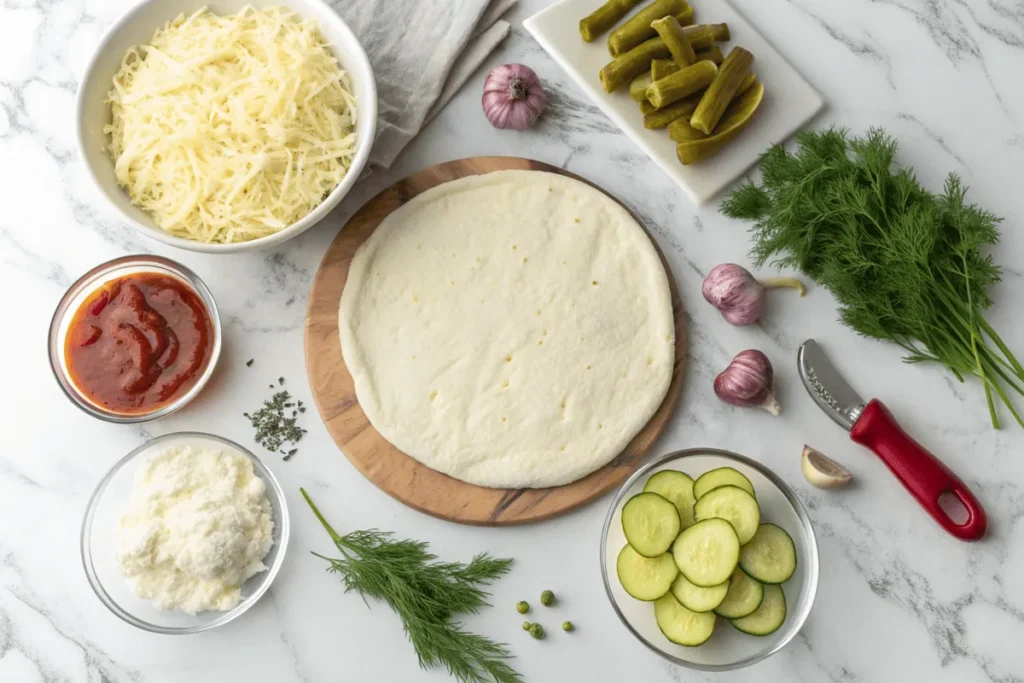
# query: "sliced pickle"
(604, 17)
(621, 70)
(685, 18)
(736, 118)
(680, 130)
(661, 68)
(722, 90)
(638, 86)
(703, 36)
(682, 83)
(659, 118)
(637, 28)
(671, 32)
(711, 54)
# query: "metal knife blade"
(827, 387)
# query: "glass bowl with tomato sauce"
(135, 339)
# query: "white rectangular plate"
(789, 101)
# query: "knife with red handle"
(872, 425)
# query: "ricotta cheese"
(197, 525)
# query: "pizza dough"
(511, 330)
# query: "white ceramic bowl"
(137, 27)
(727, 648)
(98, 541)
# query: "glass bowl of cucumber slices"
(709, 559)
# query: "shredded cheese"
(230, 128)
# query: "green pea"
(567, 626)
(537, 631)
(547, 598)
(522, 607)
(527, 626)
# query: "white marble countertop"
(899, 600)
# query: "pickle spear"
(737, 117)
(712, 54)
(604, 17)
(700, 37)
(638, 86)
(684, 82)
(661, 68)
(680, 130)
(681, 110)
(671, 33)
(721, 91)
(703, 36)
(719, 32)
(646, 107)
(623, 68)
(637, 28)
(747, 84)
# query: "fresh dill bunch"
(426, 594)
(905, 265)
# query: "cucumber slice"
(768, 617)
(770, 557)
(678, 488)
(697, 599)
(723, 476)
(735, 506)
(707, 552)
(744, 596)
(651, 523)
(645, 578)
(680, 625)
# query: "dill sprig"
(426, 594)
(906, 265)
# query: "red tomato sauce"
(138, 343)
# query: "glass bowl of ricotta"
(197, 491)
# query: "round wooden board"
(393, 471)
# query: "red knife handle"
(920, 472)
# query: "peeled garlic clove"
(822, 471)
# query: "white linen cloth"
(422, 52)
